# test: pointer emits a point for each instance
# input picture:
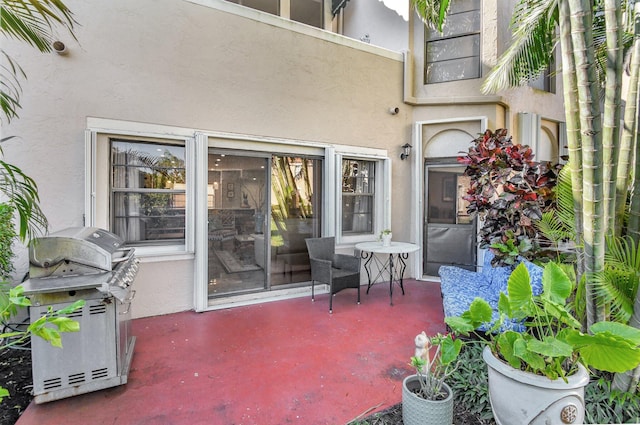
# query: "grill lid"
(88, 246)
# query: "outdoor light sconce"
(59, 47)
(406, 151)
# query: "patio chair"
(339, 271)
(222, 227)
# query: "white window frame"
(382, 196)
(98, 169)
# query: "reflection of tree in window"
(148, 191)
(292, 187)
(454, 54)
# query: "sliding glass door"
(261, 208)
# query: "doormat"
(232, 265)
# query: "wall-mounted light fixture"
(406, 151)
(59, 47)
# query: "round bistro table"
(392, 262)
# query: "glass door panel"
(237, 197)
(295, 216)
(450, 233)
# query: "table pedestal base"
(394, 266)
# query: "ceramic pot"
(386, 239)
(419, 411)
(519, 397)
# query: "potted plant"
(426, 398)
(539, 375)
(385, 237)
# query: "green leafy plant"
(509, 191)
(605, 405)
(384, 232)
(436, 362)
(470, 382)
(553, 343)
(7, 236)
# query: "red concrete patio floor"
(284, 362)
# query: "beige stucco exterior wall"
(178, 63)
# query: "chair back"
(321, 248)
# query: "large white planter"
(519, 397)
(418, 411)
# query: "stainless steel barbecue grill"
(90, 264)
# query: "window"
(148, 192)
(546, 81)
(308, 12)
(358, 201)
(455, 54)
(269, 6)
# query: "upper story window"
(358, 196)
(148, 192)
(455, 54)
(308, 12)
(546, 81)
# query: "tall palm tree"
(32, 22)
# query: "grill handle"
(128, 302)
(130, 253)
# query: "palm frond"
(22, 193)
(564, 200)
(558, 224)
(622, 252)
(614, 289)
(532, 46)
(10, 89)
(32, 20)
(617, 284)
(432, 12)
(552, 228)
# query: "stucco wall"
(383, 26)
(177, 63)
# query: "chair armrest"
(346, 262)
(320, 270)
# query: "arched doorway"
(449, 232)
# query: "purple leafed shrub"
(509, 190)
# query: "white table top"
(394, 248)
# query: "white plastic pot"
(519, 397)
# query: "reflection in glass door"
(236, 201)
(295, 216)
(450, 234)
(253, 247)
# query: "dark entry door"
(450, 234)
